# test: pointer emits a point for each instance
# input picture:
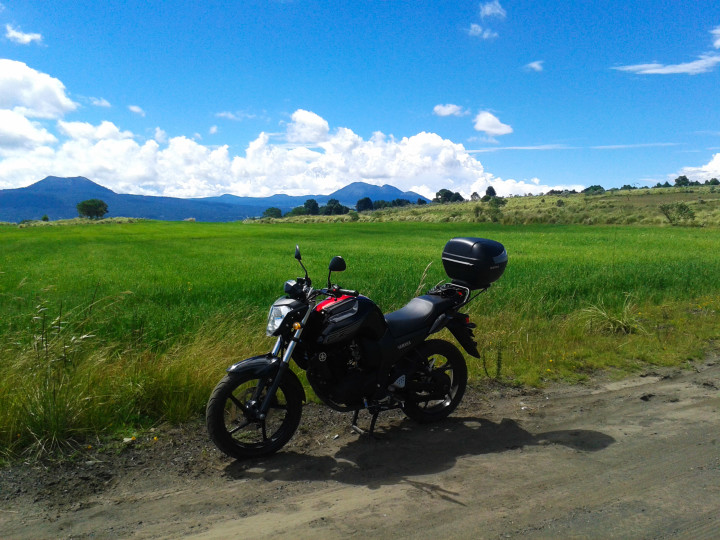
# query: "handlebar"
(336, 291)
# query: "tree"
(714, 182)
(364, 204)
(333, 208)
(594, 190)
(92, 208)
(490, 192)
(474, 197)
(312, 207)
(682, 181)
(445, 196)
(272, 212)
(421, 201)
(297, 211)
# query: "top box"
(474, 262)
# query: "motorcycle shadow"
(410, 449)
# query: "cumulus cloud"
(17, 132)
(137, 110)
(535, 66)
(100, 102)
(31, 93)
(704, 172)
(160, 135)
(106, 131)
(21, 38)
(476, 30)
(307, 128)
(492, 9)
(306, 157)
(450, 110)
(424, 162)
(490, 124)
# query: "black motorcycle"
(354, 357)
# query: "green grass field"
(105, 328)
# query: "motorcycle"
(355, 358)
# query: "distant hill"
(57, 198)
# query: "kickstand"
(357, 429)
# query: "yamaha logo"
(403, 345)
(322, 356)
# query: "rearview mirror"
(337, 264)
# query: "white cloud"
(450, 110)
(100, 102)
(237, 116)
(715, 32)
(328, 161)
(213, 130)
(106, 131)
(703, 64)
(537, 65)
(476, 30)
(308, 157)
(17, 132)
(704, 172)
(31, 93)
(160, 135)
(307, 128)
(136, 109)
(490, 124)
(21, 38)
(492, 9)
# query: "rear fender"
(462, 331)
(267, 365)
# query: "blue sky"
(257, 97)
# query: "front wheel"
(440, 386)
(232, 416)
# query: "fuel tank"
(340, 319)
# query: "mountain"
(57, 198)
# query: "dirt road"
(638, 458)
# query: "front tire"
(232, 421)
(446, 369)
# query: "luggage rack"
(447, 290)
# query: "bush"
(677, 213)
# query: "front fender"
(267, 365)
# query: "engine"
(338, 378)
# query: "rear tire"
(441, 358)
(233, 426)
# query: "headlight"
(275, 318)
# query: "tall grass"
(105, 328)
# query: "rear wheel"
(441, 386)
(233, 421)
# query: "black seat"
(419, 313)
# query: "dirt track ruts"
(638, 458)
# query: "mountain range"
(57, 198)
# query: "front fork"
(284, 365)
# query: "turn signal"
(297, 326)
